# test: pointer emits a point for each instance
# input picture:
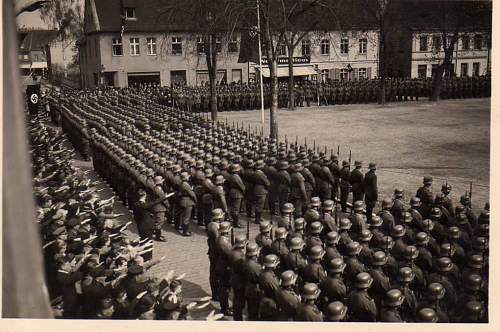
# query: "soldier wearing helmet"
(308, 311)
(362, 307)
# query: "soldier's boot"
(224, 300)
(159, 236)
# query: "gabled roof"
(35, 40)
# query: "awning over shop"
(38, 65)
(297, 71)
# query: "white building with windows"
(324, 55)
(471, 57)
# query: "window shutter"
(355, 72)
(369, 72)
(337, 73)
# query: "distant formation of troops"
(321, 256)
(239, 97)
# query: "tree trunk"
(381, 97)
(437, 82)
(291, 85)
(382, 67)
(211, 57)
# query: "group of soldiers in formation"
(243, 96)
(314, 259)
(94, 267)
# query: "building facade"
(123, 52)
(471, 56)
(32, 52)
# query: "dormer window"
(130, 13)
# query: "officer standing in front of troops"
(212, 235)
(260, 189)
(236, 193)
(345, 185)
(356, 180)
(326, 181)
(160, 209)
(272, 176)
(187, 199)
(426, 196)
(447, 201)
(371, 190)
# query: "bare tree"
(213, 20)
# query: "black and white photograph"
(248, 160)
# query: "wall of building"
(163, 62)
(461, 56)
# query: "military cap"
(336, 311)
(240, 241)
(387, 242)
(225, 227)
(415, 202)
(398, 231)
(353, 248)
(287, 208)
(345, 224)
(271, 161)
(427, 315)
(428, 180)
(315, 202)
(336, 265)
(310, 291)
(376, 221)
(208, 172)
(406, 274)
(283, 164)
(252, 249)
(387, 203)
(422, 238)
(358, 163)
(265, 226)
(298, 224)
(480, 243)
(393, 298)
(316, 252)
(365, 235)
(358, 206)
(315, 157)
(316, 227)
(406, 217)
(436, 291)
(288, 278)
(475, 261)
(398, 192)
(428, 224)
(235, 168)
(281, 233)
(436, 212)
(345, 163)
(271, 260)
(372, 166)
(328, 205)
(483, 230)
(363, 280)
(217, 214)
(332, 237)
(296, 243)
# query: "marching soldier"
(356, 180)
(371, 190)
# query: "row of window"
(176, 46)
(477, 42)
(324, 46)
(345, 74)
(464, 70)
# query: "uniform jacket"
(357, 180)
(261, 183)
(371, 187)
